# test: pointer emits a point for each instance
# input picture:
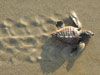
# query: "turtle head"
(59, 24)
(86, 34)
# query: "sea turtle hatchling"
(72, 35)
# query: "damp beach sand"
(25, 37)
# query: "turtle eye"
(78, 29)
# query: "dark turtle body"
(72, 35)
(68, 34)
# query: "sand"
(25, 28)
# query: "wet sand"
(25, 37)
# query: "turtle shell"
(69, 35)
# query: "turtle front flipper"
(75, 19)
(59, 24)
(78, 49)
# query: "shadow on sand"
(54, 55)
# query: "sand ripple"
(22, 40)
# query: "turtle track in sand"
(22, 40)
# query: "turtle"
(73, 34)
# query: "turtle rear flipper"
(59, 24)
(75, 19)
